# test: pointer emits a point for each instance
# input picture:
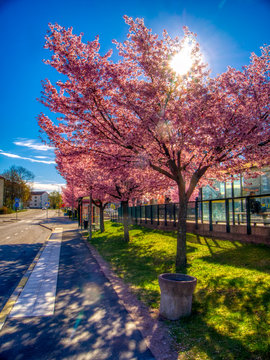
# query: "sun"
(182, 62)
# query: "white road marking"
(38, 295)
(16, 234)
(8, 237)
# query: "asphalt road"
(89, 322)
(20, 241)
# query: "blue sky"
(228, 31)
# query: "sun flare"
(182, 62)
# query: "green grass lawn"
(231, 305)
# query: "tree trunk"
(101, 218)
(181, 257)
(124, 205)
(72, 205)
(101, 207)
(90, 217)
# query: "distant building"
(2, 182)
(38, 199)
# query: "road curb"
(155, 334)
(46, 227)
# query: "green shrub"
(5, 210)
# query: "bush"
(5, 210)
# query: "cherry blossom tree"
(70, 194)
(87, 179)
(186, 126)
(108, 184)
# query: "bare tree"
(17, 185)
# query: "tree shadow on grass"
(256, 257)
(244, 309)
(114, 224)
(146, 230)
(212, 242)
(235, 294)
(194, 336)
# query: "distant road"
(24, 215)
(20, 241)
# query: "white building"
(38, 199)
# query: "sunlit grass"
(230, 317)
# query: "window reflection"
(241, 186)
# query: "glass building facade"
(257, 187)
(242, 186)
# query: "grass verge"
(230, 314)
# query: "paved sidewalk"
(89, 321)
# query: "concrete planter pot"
(176, 295)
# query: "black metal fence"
(248, 211)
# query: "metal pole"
(196, 214)
(90, 216)
(72, 200)
(145, 214)
(248, 215)
(227, 212)
(201, 212)
(81, 214)
(233, 209)
(210, 216)
(201, 198)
